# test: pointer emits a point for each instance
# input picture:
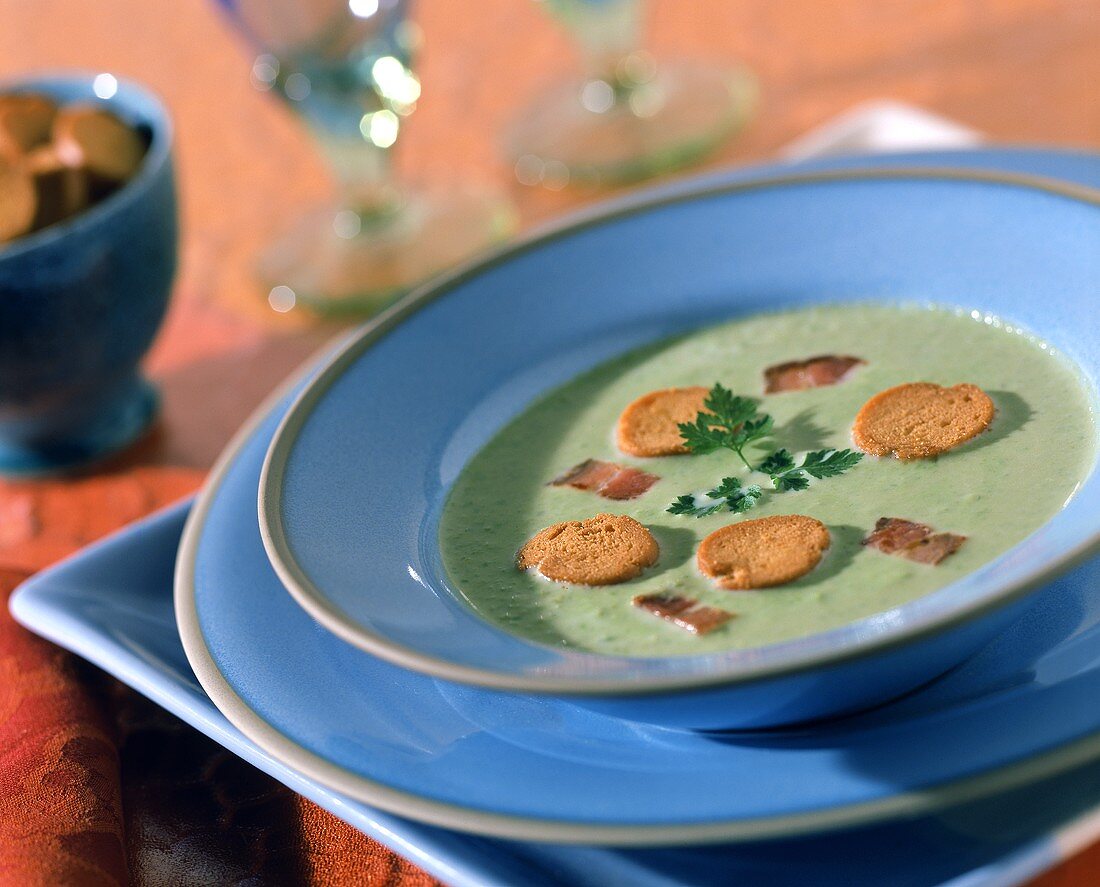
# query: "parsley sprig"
(731, 422)
(731, 495)
(780, 467)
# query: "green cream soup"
(996, 489)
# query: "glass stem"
(608, 32)
(363, 173)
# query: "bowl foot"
(120, 422)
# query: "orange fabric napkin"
(60, 799)
(98, 786)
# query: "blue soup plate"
(541, 768)
(352, 491)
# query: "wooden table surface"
(1018, 70)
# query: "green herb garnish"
(738, 499)
(685, 504)
(733, 497)
(732, 422)
(786, 475)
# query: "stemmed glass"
(627, 117)
(345, 68)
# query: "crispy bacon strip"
(894, 534)
(591, 474)
(917, 542)
(606, 479)
(825, 369)
(628, 483)
(683, 611)
(935, 548)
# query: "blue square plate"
(112, 604)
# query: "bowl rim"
(297, 582)
(129, 96)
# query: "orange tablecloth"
(98, 786)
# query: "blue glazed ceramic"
(352, 491)
(542, 768)
(112, 604)
(80, 302)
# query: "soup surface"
(995, 489)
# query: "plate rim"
(310, 597)
(274, 742)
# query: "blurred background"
(1019, 70)
(1016, 70)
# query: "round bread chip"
(61, 190)
(648, 426)
(601, 550)
(25, 121)
(18, 202)
(99, 142)
(919, 420)
(763, 552)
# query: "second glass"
(626, 118)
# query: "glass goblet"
(626, 118)
(345, 68)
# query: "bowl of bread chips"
(88, 231)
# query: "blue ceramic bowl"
(81, 300)
(352, 490)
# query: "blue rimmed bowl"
(81, 300)
(352, 490)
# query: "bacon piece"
(916, 542)
(683, 611)
(894, 534)
(825, 369)
(935, 548)
(591, 474)
(606, 479)
(628, 483)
